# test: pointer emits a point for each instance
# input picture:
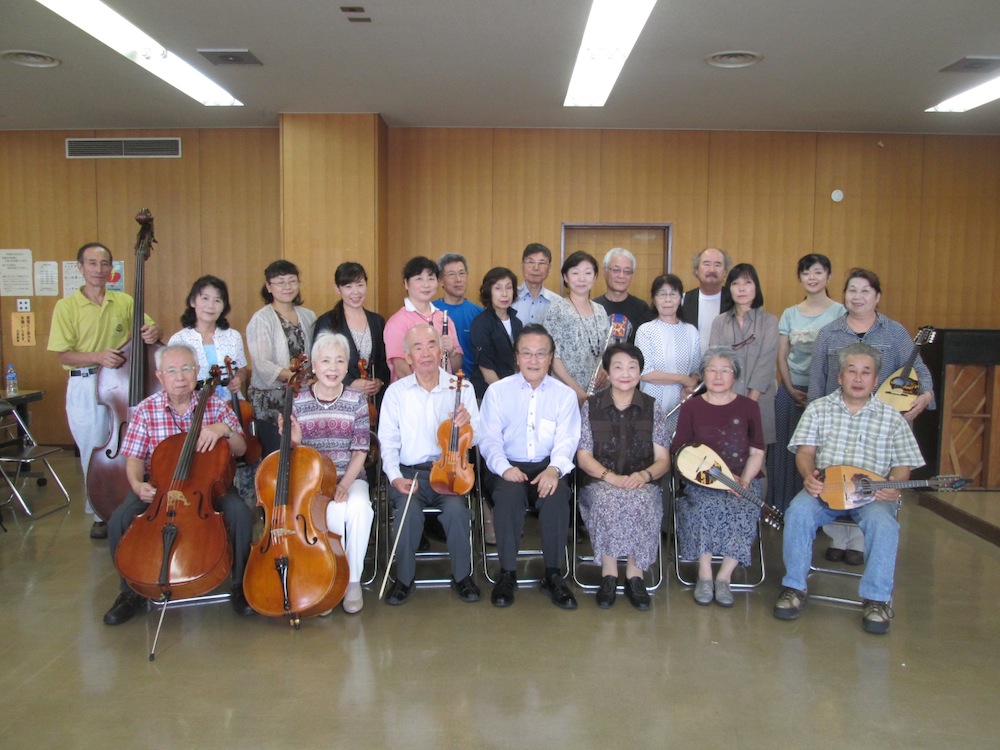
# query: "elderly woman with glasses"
(671, 348)
(720, 522)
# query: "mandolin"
(700, 464)
(848, 487)
(901, 389)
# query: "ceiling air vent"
(123, 148)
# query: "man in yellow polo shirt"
(89, 328)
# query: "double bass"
(297, 568)
(244, 413)
(452, 474)
(179, 547)
(119, 390)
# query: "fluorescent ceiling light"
(612, 30)
(974, 97)
(105, 25)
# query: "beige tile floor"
(444, 674)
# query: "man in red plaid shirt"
(157, 418)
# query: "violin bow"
(399, 531)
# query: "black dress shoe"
(99, 530)
(399, 594)
(126, 606)
(503, 591)
(635, 592)
(239, 602)
(834, 554)
(556, 588)
(466, 589)
(608, 592)
(854, 557)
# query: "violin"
(119, 390)
(297, 568)
(179, 548)
(373, 451)
(452, 474)
(244, 413)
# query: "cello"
(452, 474)
(296, 568)
(119, 390)
(181, 523)
(244, 413)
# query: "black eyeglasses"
(745, 342)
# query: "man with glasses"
(625, 311)
(530, 427)
(453, 274)
(157, 418)
(533, 299)
(704, 304)
(89, 329)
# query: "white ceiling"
(829, 65)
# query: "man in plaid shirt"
(849, 427)
(157, 418)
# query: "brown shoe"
(834, 554)
(99, 530)
(854, 557)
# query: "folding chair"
(582, 561)
(526, 555)
(750, 583)
(429, 556)
(24, 450)
(821, 570)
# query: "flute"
(593, 380)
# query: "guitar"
(700, 464)
(848, 487)
(901, 389)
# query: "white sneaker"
(353, 601)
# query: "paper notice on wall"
(22, 328)
(72, 278)
(15, 273)
(47, 278)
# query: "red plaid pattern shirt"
(155, 420)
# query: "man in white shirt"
(532, 298)
(412, 410)
(530, 431)
(702, 305)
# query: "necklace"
(617, 403)
(593, 344)
(327, 404)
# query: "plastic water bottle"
(11, 381)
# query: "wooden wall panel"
(216, 211)
(241, 223)
(658, 176)
(877, 224)
(956, 264)
(542, 178)
(440, 200)
(761, 205)
(649, 245)
(48, 204)
(169, 188)
(328, 198)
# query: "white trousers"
(352, 520)
(87, 421)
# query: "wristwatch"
(559, 473)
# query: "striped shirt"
(875, 438)
(334, 428)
